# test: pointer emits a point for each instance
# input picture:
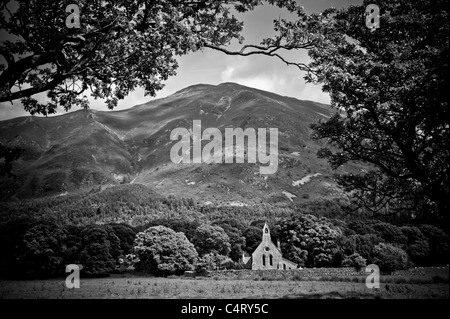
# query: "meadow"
(131, 287)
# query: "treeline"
(100, 229)
(42, 248)
(137, 205)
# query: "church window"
(264, 260)
(271, 260)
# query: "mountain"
(90, 149)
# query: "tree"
(354, 260)
(389, 87)
(390, 233)
(210, 239)
(308, 240)
(162, 252)
(185, 226)
(363, 245)
(100, 250)
(9, 154)
(117, 46)
(42, 250)
(438, 242)
(389, 258)
(126, 235)
(11, 238)
(74, 244)
(417, 246)
(253, 237)
(234, 231)
(213, 261)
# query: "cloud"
(270, 74)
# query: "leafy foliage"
(363, 245)
(9, 154)
(233, 229)
(438, 242)
(390, 233)
(417, 245)
(389, 257)
(309, 241)
(41, 251)
(100, 250)
(69, 230)
(162, 252)
(252, 238)
(211, 239)
(213, 261)
(126, 235)
(389, 88)
(119, 46)
(354, 260)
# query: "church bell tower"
(266, 240)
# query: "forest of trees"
(39, 237)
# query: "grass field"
(178, 287)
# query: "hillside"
(87, 149)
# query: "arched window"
(271, 260)
(284, 266)
(264, 259)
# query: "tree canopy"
(118, 46)
(162, 251)
(389, 89)
(308, 240)
(210, 239)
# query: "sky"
(212, 67)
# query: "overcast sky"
(213, 67)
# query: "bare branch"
(268, 50)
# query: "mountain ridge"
(90, 148)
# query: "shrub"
(212, 261)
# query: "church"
(267, 255)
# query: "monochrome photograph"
(224, 157)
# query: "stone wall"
(304, 273)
